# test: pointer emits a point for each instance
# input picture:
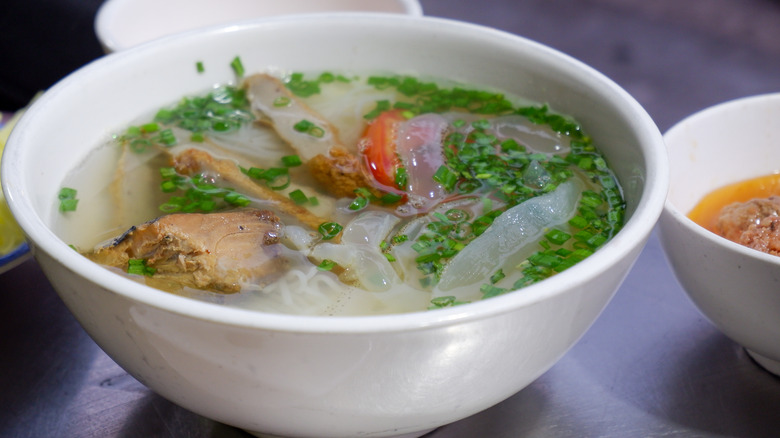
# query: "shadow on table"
(45, 356)
(730, 395)
(713, 388)
(518, 415)
(155, 416)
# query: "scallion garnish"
(139, 267)
(291, 161)
(68, 201)
(307, 127)
(358, 203)
(282, 101)
(326, 265)
(329, 230)
(298, 196)
(238, 66)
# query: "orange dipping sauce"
(706, 212)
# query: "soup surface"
(343, 194)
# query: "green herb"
(224, 109)
(489, 291)
(68, 201)
(139, 267)
(197, 194)
(401, 178)
(237, 66)
(358, 203)
(329, 230)
(282, 101)
(199, 67)
(291, 161)
(298, 196)
(447, 301)
(557, 237)
(277, 178)
(498, 276)
(306, 127)
(445, 177)
(391, 198)
(326, 265)
(302, 87)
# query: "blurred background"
(674, 56)
(650, 366)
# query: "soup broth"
(376, 194)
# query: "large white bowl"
(735, 287)
(398, 375)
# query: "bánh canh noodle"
(336, 194)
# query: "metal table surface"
(651, 365)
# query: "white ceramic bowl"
(397, 375)
(120, 24)
(736, 287)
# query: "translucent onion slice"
(511, 238)
(359, 253)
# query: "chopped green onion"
(139, 267)
(391, 198)
(447, 301)
(401, 178)
(498, 276)
(326, 265)
(306, 127)
(489, 291)
(298, 196)
(557, 237)
(282, 101)
(150, 127)
(358, 203)
(238, 66)
(167, 137)
(291, 161)
(400, 238)
(329, 230)
(68, 201)
(445, 177)
(199, 67)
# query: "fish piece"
(213, 251)
(313, 138)
(194, 161)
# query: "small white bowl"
(378, 376)
(735, 287)
(120, 24)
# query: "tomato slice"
(379, 148)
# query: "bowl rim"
(636, 229)
(674, 213)
(111, 10)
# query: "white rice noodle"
(359, 253)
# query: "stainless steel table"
(650, 366)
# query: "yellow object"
(10, 234)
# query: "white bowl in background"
(120, 24)
(735, 287)
(394, 375)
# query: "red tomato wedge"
(379, 147)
